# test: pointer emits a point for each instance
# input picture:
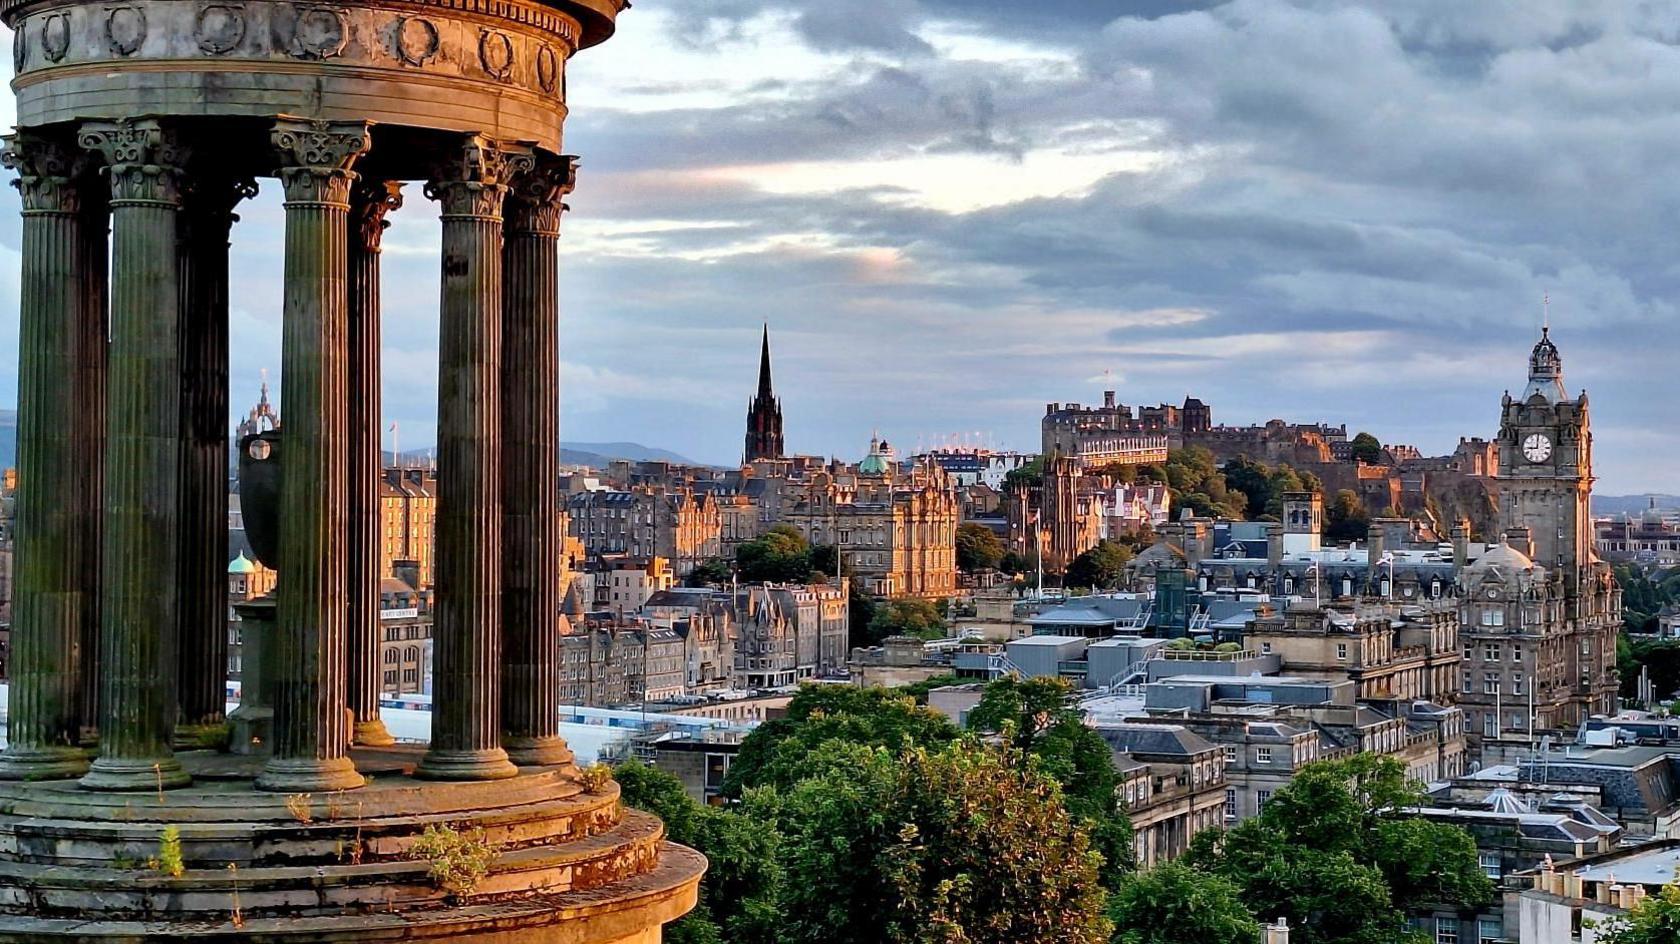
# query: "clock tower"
(1545, 467)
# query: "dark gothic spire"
(764, 389)
(764, 416)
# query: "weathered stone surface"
(139, 610)
(370, 201)
(307, 660)
(470, 185)
(530, 463)
(55, 512)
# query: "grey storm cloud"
(1311, 209)
(1390, 187)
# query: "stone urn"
(259, 494)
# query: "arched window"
(412, 654)
(390, 656)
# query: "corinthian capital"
(48, 173)
(474, 180)
(316, 157)
(143, 158)
(538, 195)
(370, 200)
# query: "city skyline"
(1160, 206)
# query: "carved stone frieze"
(415, 40)
(125, 29)
(310, 32)
(55, 35)
(316, 156)
(548, 69)
(495, 53)
(219, 28)
(143, 159)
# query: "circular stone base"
(568, 865)
(121, 775)
(53, 763)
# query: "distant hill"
(1631, 504)
(635, 452)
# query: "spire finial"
(1546, 308)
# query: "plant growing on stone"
(168, 860)
(595, 777)
(298, 804)
(459, 859)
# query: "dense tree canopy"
(1175, 904)
(1335, 853)
(1346, 519)
(780, 555)
(739, 899)
(919, 618)
(1367, 448)
(776, 752)
(978, 548)
(1038, 718)
(961, 845)
(713, 571)
(1101, 567)
(1198, 486)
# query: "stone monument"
(142, 124)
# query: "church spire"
(764, 415)
(764, 388)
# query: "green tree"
(1029, 475)
(860, 613)
(1346, 519)
(962, 845)
(919, 618)
(978, 548)
(1175, 904)
(1336, 853)
(739, 897)
(1038, 717)
(1367, 448)
(1101, 567)
(781, 555)
(822, 560)
(777, 753)
(714, 571)
(1656, 920)
(1252, 479)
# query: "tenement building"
(142, 125)
(895, 532)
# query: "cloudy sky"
(953, 211)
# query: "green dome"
(242, 565)
(873, 464)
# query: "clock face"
(1537, 448)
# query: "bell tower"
(1545, 465)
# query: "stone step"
(541, 821)
(239, 802)
(579, 916)
(626, 851)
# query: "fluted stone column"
(530, 464)
(96, 345)
(466, 706)
(139, 607)
(311, 736)
(370, 201)
(53, 512)
(206, 219)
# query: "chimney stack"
(1461, 544)
(1274, 546)
(1277, 932)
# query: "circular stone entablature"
(495, 67)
